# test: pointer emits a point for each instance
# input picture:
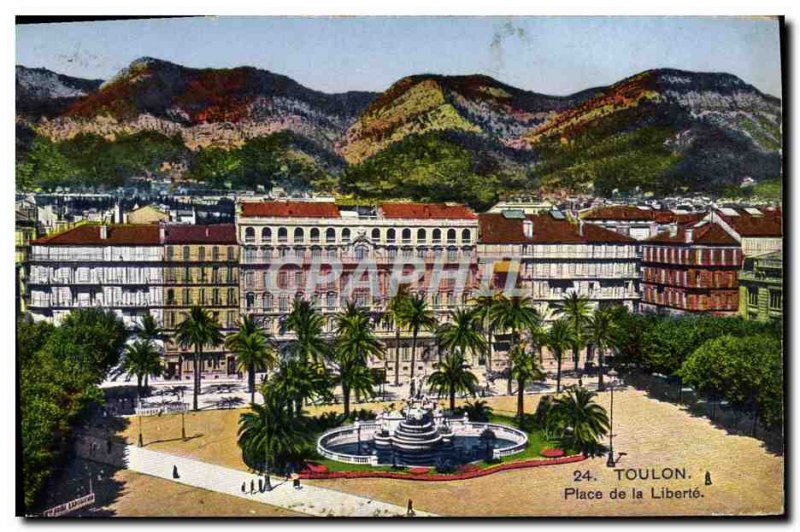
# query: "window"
(170, 252)
(390, 236)
(185, 252)
(376, 235)
(421, 236)
(215, 300)
(361, 252)
(299, 235)
(752, 297)
(466, 236)
(231, 296)
(187, 296)
(266, 300)
(345, 235)
(451, 236)
(437, 236)
(330, 235)
(283, 235)
(314, 235)
(266, 234)
(170, 297)
(202, 253)
(249, 235)
(250, 300)
(215, 253)
(776, 300)
(283, 303)
(406, 236)
(230, 253)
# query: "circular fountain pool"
(420, 435)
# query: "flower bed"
(426, 476)
(313, 468)
(419, 470)
(552, 452)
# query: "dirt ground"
(146, 496)
(745, 478)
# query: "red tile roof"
(118, 235)
(290, 209)
(497, 229)
(200, 234)
(427, 211)
(770, 224)
(709, 234)
(632, 213)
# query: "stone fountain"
(416, 438)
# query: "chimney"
(580, 227)
(689, 235)
(103, 232)
(527, 228)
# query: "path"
(312, 500)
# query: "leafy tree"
(141, 359)
(514, 314)
(601, 332)
(461, 335)
(198, 330)
(559, 338)
(581, 420)
(44, 166)
(417, 316)
(523, 370)
(217, 166)
(746, 371)
(576, 310)
(252, 350)
(269, 435)
(453, 376)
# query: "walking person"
(244, 487)
(175, 472)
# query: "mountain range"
(468, 138)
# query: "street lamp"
(141, 441)
(358, 431)
(183, 419)
(612, 382)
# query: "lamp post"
(141, 441)
(358, 432)
(612, 383)
(183, 418)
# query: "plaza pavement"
(310, 500)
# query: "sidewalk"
(312, 500)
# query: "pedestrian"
(296, 481)
(244, 487)
(252, 487)
(175, 472)
(410, 510)
(260, 486)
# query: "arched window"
(314, 235)
(466, 236)
(390, 236)
(451, 236)
(330, 235)
(437, 236)
(283, 235)
(299, 235)
(376, 235)
(266, 235)
(249, 234)
(406, 236)
(421, 236)
(345, 235)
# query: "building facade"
(758, 231)
(26, 229)
(331, 255)
(201, 267)
(691, 269)
(117, 267)
(761, 287)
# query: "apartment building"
(330, 255)
(26, 229)
(201, 267)
(691, 269)
(547, 257)
(761, 287)
(757, 230)
(116, 267)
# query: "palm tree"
(576, 310)
(559, 339)
(149, 329)
(141, 359)
(307, 324)
(356, 344)
(416, 316)
(602, 330)
(485, 303)
(523, 370)
(461, 335)
(252, 350)
(585, 420)
(199, 329)
(395, 316)
(477, 410)
(269, 433)
(300, 381)
(452, 376)
(514, 314)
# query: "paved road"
(312, 500)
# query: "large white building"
(116, 267)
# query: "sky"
(550, 55)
